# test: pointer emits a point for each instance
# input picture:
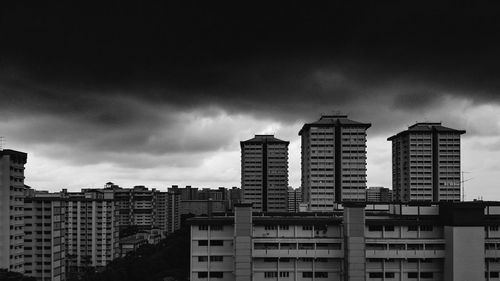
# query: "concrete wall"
(243, 243)
(354, 233)
(464, 259)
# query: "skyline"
(163, 94)
(163, 186)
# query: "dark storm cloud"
(112, 69)
(417, 100)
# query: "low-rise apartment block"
(445, 241)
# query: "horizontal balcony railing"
(297, 253)
(405, 254)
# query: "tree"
(6, 275)
(169, 258)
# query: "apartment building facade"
(91, 230)
(294, 199)
(446, 241)
(12, 190)
(378, 194)
(264, 173)
(333, 161)
(426, 163)
(145, 208)
(44, 236)
(167, 211)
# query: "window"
(389, 275)
(283, 227)
(270, 227)
(389, 228)
(216, 243)
(307, 274)
(374, 228)
(320, 274)
(494, 228)
(203, 243)
(203, 227)
(413, 228)
(216, 274)
(270, 274)
(202, 274)
(284, 274)
(494, 274)
(216, 258)
(426, 228)
(413, 275)
(307, 227)
(202, 259)
(426, 275)
(375, 274)
(217, 227)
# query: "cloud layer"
(162, 94)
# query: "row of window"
(212, 227)
(391, 228)
(412, 275)
(212, 258)
(212, 243)
(213, 274)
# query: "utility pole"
(463, 184)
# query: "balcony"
(492, 253)
(405, 254)
(297, 253)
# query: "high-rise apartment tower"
(426, 163)
(44, 235)
(333, 161)
(264, 173)
(12, 209)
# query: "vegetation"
(169, 258)
(6, 275)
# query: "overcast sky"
(162, 95)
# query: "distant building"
(146, 209)
(202, 207)
(426, 163)
(187, 193)
(167, 211)
(234, 196)
(12, 190)
(294, 199)
(378, 194)
(219, 194)
(264, 173)
(92, 232)
(131, 243)
(333, 161)
(45, 236)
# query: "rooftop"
(422, 127)
(334, 121)
(265, 139)
(15, 155)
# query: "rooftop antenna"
(463, 184)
